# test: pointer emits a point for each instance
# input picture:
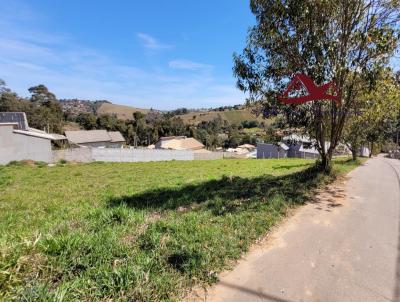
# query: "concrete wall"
(235, 155)
(270, 151)
(139, 155)
(83, 155)
(16, 146)
(208, 156)
(102, 144)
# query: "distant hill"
(121, 111)
(233, 116)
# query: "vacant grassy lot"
(140, 231)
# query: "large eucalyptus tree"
(344, 41)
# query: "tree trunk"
(326, 163)
(354, 154)
(370, 150)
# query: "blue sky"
(160, 54)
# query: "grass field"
(140, 231)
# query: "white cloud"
(188, 65)
(151, 42)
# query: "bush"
(40, 164)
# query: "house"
(179, 143)
(95, 138)
(291, 146)
(237, 150)
(248, 147)
(18, 141)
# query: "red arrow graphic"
(314, 92)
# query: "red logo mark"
(314, 92)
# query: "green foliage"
(233, 137)
(40, 164)
(375, 115)
(42, 109)
(146, 232)
(87, 120)
(15, 163)
(250, 124)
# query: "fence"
(302, 154)
(284, 154)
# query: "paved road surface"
(344, 247)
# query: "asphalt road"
(343, 247)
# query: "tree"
(382, 112)
(46, 112)
(234, 138)
(3, 87)
(106, 121)
(10, 101)
(354, 135)
(375, 115)
(333, 40)
(87, 120)
(137, 115)
(41, 95)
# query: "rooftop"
(94, 136)
(18, 118)
(20, 125)
(179, 143)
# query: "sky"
(161, 54)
